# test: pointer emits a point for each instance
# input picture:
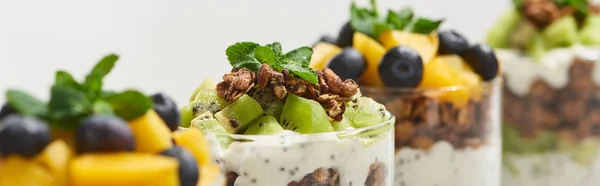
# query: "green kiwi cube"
(264, 125)
(304, 116)
(239, 114)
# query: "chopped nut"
(377, 175)
(404, 131)
(541, 12)
(320, 177)
(422, 142)
(235, 84)
(269, 78)
(334, 105)
(231, 177)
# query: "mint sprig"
(370, 22)
(252, 55)
(71, 101)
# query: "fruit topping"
(328, 39)
(367, 112)
(166, 108)
(322, 53)
(16, 170)
(25, 136)
(589, 32)
(56, 158)
(271, 104)
(188, 168)
(451, 42)
(103, 133)
(193, 141)
(373, 52)
(346, 36)
(425, 44)
(6, 110)
(123, 169)
(401, 67)
(483, 61)
(150, 133)
(349, 64)
(208, 83)
(561, 33)
(264, 125)
(304, 116)
(186, 114)
(239, 114)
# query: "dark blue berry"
(482, 59)
(103, 133)
(188, 168)
(452, 42)
(167, 109)
(349, 64)
(23, 136)
(402, 67)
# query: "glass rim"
(484, 85)
(389, 121)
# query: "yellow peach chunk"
(322, 53)
(151, 133)
(439, 74)
(373, 52)
(193, 141)
(56, 158)
(123, 169)
(425, 44)
(16, 170)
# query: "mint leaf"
(63, 78)
(67, 101)
(278, 51)
(305, 73)
(398, 21)
(26, 104)
(423, 25)
(265, 54)
(362, 19)
(102, 107)
(241, 55)
(300, 55)
(93, 81)
(130, 104)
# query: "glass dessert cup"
(450, 134)
(551, 118)
(361, 156)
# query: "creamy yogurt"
(280, 161)
(521, 71)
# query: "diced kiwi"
(522, 35)
(208, 100)
(501, 31)
(512, 142)
(186, 114)
(270, 103)
(367, 112)
(207, 123)
(239, 114)
(304, 116)
(208, 83)
(561, 33)
(342, 125)
(590, 32)
(264, 125)
(536, 47)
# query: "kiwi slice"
(536, 47)
(270, 103)
(264, 125)
(522, 35)
(589, 32)
(208, 83)
(208, 100)
(186, 114)
(367, 112)
(561, 33)
(207, 123)
(304, 116)
(239, 114)
(499, 33)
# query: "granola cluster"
(543, 12)
(423, 119)
(331, 91)
(572, 111)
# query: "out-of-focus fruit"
(561, 33)
(188, 168)
(483, 61)
(209, 175)
(186, 115)
(425, 44)
(437, 74)
(346, 36)
(123, 169)
(328, 39)
(6, 110)
(264, 125)
(56, 158)
(207, 100)
(349, 64)
(304, 116)
(23, 136)
(150, 133)
(322, 53)
(588, 35)
(451, 42)
(18, 171)
(103, 133)
(193, 140)
(372, 51)
(207, 123)
(499, 34)
(536, 48)
(166, 108)
(239, 114)
(402, 67)
(208, 83)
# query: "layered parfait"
(89, 136)
(275, 121)
(443, 91)
(551, 111)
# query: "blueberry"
(188, 169)
(345, 36)
(167, 110)
(6, 110)
(349, 64)
(23, 136)
(452, 42)
(401, 66)
(328, 39)
(482, 59)
(104, 133)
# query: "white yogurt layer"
(273, 163)
(522, 71)
(549, 169)
(443, 165)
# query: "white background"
(171, 45)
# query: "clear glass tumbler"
(445, 136)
